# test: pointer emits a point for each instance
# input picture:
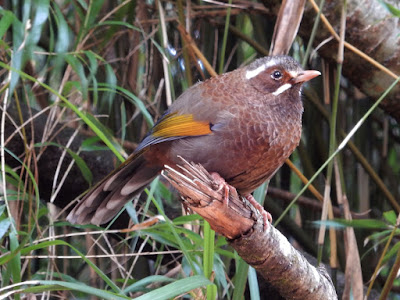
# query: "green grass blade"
(15, 262)
(240, 279)
(253, 284)
(208, 258)
(176, 288)
(85, 118)
(140, 285)
(6, 20)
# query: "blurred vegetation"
(106, 70)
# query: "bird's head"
(277, 75)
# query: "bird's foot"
(266, 215)
(227, 189)
(221, 184)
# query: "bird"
(241, 126)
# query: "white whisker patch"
(281, 89)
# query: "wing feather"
(174, 126)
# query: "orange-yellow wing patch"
(172, 127)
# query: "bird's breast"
(260, 143)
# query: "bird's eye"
(276, 75)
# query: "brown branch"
(268, 251)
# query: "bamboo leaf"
(176, 288)
(4, 226)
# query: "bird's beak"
(305, 76)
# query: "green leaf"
(83, 4)
(13, 178)
(132, 98)
(140, 285)
(80, 71)
(112, 144)
(70, 86)
(4, 225)
(31, 176)
(15, 263)
(5, 21)
(92, 144)
(18, 57)
(93, 66)
(123, 121)
(50, 285)
(260, 192)
(393, 10)
(111, 81)
(390, 216)
(240, 279)
(393, 160)
(87, 174)
(376, 236)
(187, 219)
(62, 43)
(364, 224)
(2, 209)
(41, 16)
(392, 252)
(208, 257)
(93, 13)
(119, 23)
(176, 288)
(253, 284)
(220, 278)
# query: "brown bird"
(241, 125)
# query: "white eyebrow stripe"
(253, 73)
(281, 89)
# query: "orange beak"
(305, 76)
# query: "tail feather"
(104, 201)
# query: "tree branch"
(268, 251)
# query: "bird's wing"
(108, 196)
(174, 126)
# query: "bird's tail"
(107, 198)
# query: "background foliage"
(83, 81)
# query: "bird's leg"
(266, 215)
(222, 185)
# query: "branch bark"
(268, 251)
(374, 31)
